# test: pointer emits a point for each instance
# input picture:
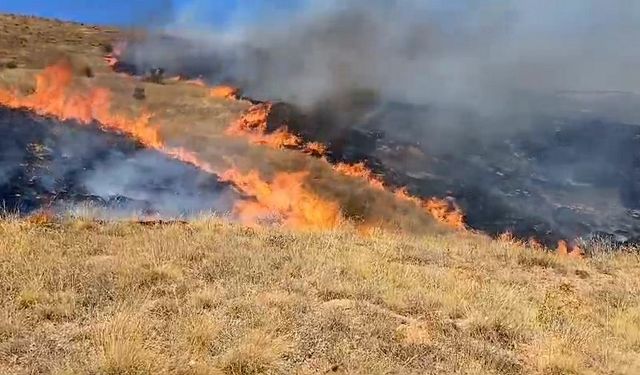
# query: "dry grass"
(215, 298)
(187, 116)
(35, 42)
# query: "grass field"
(215, 298)
(211, 297)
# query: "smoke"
(474, 54)
(151, 182)
(516, 108)
(44, 163)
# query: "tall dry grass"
(215, 298)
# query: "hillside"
(179, 116)
(353, 277)
(210, 297)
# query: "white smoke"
(476, 53)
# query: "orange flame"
(253, 125)
(224, 92)
(315, 149)
(53, 97)
(564, 249)
(285, 197)
(360, 170)
(445, 211)
(113, 58)
(285, 200)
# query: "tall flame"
(284, 200)
(53, 97)
(253, 125)
(565, 249)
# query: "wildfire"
(253, 125)
(316, 149)
(360, 170)
(285, 200)
(565, 249)
(445, 211)
(224, 92)
(53, 97)
(113, 57)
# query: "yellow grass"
(215, 298)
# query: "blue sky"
(139, 12)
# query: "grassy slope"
(187, 116)
(210, 297)
(215, 298)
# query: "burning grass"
(254, 126)
(284, 200)
(212, 297)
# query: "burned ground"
(550, 172)
(212, 297)
(46, 164)
(547, 176)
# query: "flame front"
(360, 170)
(53, 97)
(444, 211)
(224, 92)
(572, 251)
(285, 200)
(253, 125)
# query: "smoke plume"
(522, 110)
(474, 53)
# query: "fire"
(565, 249)
(253, 125)
(360, 170)
(445, 211)
(113, 57)
(53, 97)
(315, 149)
(285, 200)
(224, 92)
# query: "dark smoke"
(419, 51)
(523, 110)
